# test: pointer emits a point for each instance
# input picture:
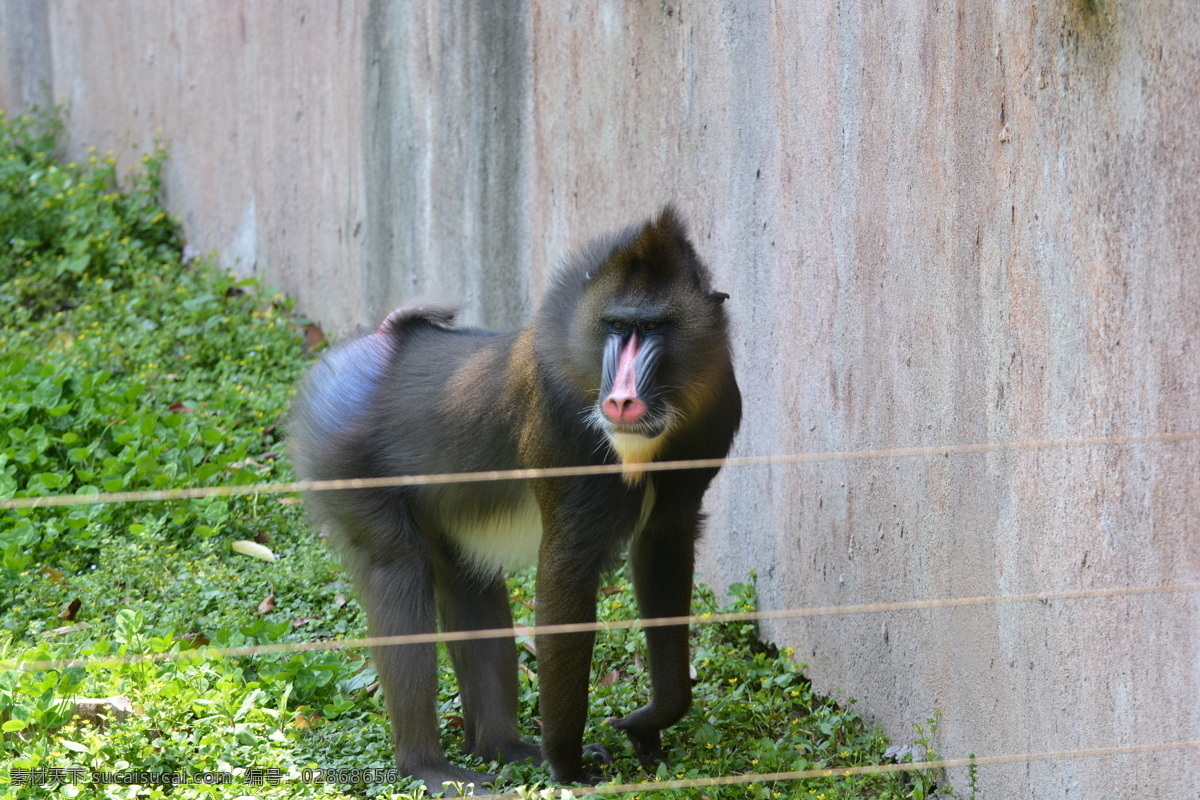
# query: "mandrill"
(626, 362)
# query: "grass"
(123, 368)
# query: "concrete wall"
(940, 222)
(260, 103)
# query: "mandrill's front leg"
(661, 560)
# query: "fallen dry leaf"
(70, 610)
(254, 549)
(100, 711)
(78, 626)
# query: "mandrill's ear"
(717, 297)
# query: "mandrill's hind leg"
(394, 574)
(486, 668)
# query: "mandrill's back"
(397, 379)
(425, 384)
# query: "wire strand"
(587, 627)
(872, 769)
(202, 492)
(749, 616)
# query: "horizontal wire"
(206, 652)
(872, 769)
(201, 492)
(526, 630)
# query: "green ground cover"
(123, 368)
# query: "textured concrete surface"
(446, 144)
(939, 222)
(260, 104)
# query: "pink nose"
(623, 405)
(622, 409)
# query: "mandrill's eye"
(651, 326)
(617, 326)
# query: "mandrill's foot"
(473, 783)
(514, 752)
(590, 771)
(647, 744)
(596, 756)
